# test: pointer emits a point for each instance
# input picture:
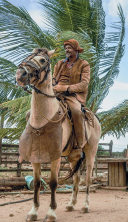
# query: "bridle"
(28, 61)
(39, 69)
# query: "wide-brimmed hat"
(74, 44)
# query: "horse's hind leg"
(51, 216)
(90, 156)
(76, 179)
(32, 215)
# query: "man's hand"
(60, 88)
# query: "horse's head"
(35, 68)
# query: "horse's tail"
(76, 168)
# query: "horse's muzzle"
(21, 76)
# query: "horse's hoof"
(69, 208)
(84, 210)
(49, 219)
(31, 217)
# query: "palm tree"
(78, 19)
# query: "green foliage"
(115, 120)
(78, 19)
(102, 152)
(19, 33)
(76, 15)
(7, 81)
(14, 113)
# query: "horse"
(35, 71)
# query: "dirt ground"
(105, 206)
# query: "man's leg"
(78, 120)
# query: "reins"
(38, 91)
(45, 94)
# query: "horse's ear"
(35, 50)
(51, 52)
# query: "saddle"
(89, 122)
(88, 114)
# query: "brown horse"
(35, 72)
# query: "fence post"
(110, 147)
(127, 152)
(1, 126)
(127, 164)
(18, 169)
(127, 168)
(0, 151)
(96, 164)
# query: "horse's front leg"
(76, 179)
(32, 215)
(51, 216)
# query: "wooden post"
(96, 164)
(18, 169)
(127, 152)
(127, 168)
(127, 161)
(110, 147)
(0, 151)
(1, 126)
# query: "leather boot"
(79, 127)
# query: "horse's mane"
(38, 50)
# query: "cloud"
(112, 8)
(120, 86)
(35, 14)
(117, 94)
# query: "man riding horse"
(71, 78)
(48, 131)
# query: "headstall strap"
(28, 61)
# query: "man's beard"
(68, 55)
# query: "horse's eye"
(42, 60)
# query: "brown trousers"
(78, 120)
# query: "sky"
(119, 91)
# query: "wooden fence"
(101, 154)
(9, 159)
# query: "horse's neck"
(43, 105)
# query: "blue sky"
(119, 91)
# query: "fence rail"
(99, 155)
(9, 158)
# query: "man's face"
(70, 52)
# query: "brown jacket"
(79, 78)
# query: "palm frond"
(8, 91)
(14, 113)
(115, 121)
(78, 19)
(75, 15)
(109, 66)
(19, 33)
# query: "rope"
(52, 121)
(19, 201)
